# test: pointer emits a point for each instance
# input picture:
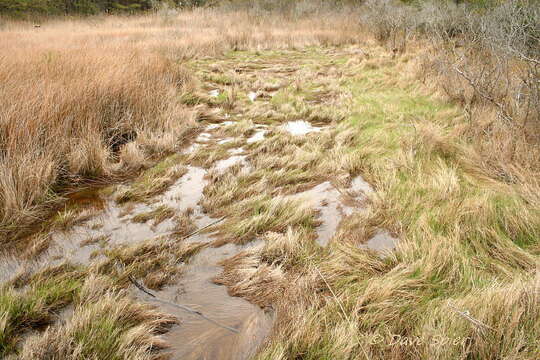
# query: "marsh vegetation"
(354, 180)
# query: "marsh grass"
(158, 215)
(465, 233)
(183, 225)
(101, 240)
(152, 182)
(40, 300)
(61, 136)
(461, 241)
(104, 324)
(260, 214)
(35, 305)
(157, 261)
(468, 223)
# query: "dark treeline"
(60, 7)
(89, 7)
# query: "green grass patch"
(35, 305)
(153, 181)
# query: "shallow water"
(224, 141)
(195, 337)
(204, 137)
(332, 205)
(300, 127)
(223, 165)
(187, 191)
(236, 151)
(114, 223)
(325, 198)
(252, 96)
(359, 185)
(213, 126)
(381, 242)
(258, 136)
(192, 148)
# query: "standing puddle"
(359, 185)
(223, 165)
(112, 227)
(195, 337)
(326, 199)
(204, 137)
(252, 96)
(382, 241)
(236, 151)
(224, 141)
(186, 193)
(300, 127)
(191, 148)
(332, 205)
(258, 136)
(213, 126)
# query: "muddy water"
(187, 191)
(360, 186)
(112, 227)
(204, 137)
(196, 338)
(236, 151)
(107, 228)
(224, 141)
(192, 148)
(332, 205)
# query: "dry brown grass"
(64, 111)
